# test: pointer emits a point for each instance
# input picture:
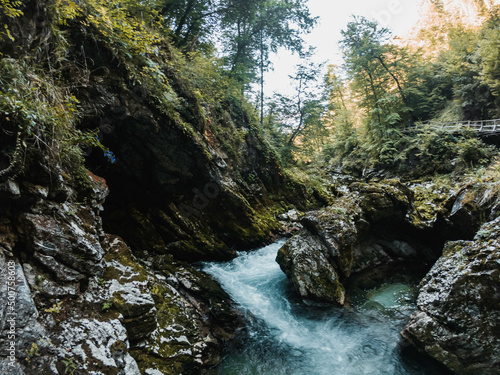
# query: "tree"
(429, 88)
(190, 20)
(488, 54)
(300, 114)
(261, 27)
(377, 70)
(340, 116)
(248, 30)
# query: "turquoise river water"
(284, 335)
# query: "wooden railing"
(482, 126)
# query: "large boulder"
(360, 231)
(176, 318)
(458, 316)
(304, 259)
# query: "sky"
(397, 15)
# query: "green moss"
(124, 257)
(262, 224)
(167, 350)
(173, 366)
(429, 200)
(325, 288)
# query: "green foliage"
(55, 309)
(417, 154)
(8, 9)
(70, 365)
(128, 26)
(389, 87)
(107, 305)
(429, 89)
(473, 152)
(339, 118)
(264, 26)
(460, 66)
(245, 27)
(44, 115)
(295, 120)
(488, 53)
(377, 69)
(33, 352)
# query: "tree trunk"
(184, 17)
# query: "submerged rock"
(458, 317)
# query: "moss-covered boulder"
(458, 317)
(176, 318)
(360, 231)
(305, 260)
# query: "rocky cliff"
(457, 322)
(375, 229)
(79, 301)
(188, 170)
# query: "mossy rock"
(457, 322)
(303, 259)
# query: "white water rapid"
(286, 336)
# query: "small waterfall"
(286, 336)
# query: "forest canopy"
(356, 116)
(446, 70)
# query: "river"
(284, 335)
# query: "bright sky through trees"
(397, 15)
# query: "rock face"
(78, 300)
(380, 223)
(304, 259)
(192, 181)
(458, 316)
(359, 232)
(189, 172)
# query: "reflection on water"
(286, 336)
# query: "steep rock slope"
(79, 301)
(188, 171)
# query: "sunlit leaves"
(8, 9)
(65, 10)
(117, 23)
(489, 52)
